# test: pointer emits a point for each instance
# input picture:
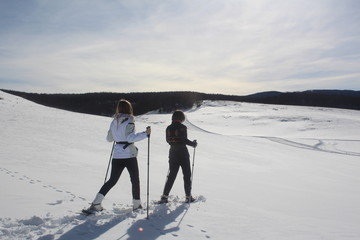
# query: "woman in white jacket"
(122, 131)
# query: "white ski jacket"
(122, 129)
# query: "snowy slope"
(261, 172)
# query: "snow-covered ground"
(261, 172)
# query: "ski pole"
(192, 169)
(148, 172)
(107, 170)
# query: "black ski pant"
(117, 166)
(177, 160)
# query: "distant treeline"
(104, 103)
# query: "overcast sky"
(214, 46)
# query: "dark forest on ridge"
(104, 103)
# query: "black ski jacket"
(176, 135)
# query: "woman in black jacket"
(176, 136)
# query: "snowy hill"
(261, 172)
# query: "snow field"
(261, 172)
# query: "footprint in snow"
(202, 230)
(56, 203)
(34, 181)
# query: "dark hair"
(178, 115)
(124, 106)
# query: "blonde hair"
(124, 106)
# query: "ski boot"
(93, 209)
(189, 199)
(137, 204)
(164, 199)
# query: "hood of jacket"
(123, 117)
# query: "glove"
(148, 131)
(195, 144)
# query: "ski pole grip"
(148, 127)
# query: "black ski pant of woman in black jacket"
(178, 158)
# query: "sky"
(214, 46)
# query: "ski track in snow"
(190, 124)
(323, 145)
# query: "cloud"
(235, 46)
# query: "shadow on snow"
(161, 222)
(158, 224)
